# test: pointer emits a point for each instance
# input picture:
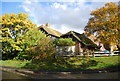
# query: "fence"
(70, 51)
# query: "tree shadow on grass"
(57, 64)
(112, 68)
(61, 64)
(89, 63)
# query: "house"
(93, 38)
(49, 31)
(102, 46)
(83, 43)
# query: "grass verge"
(14, 63)
(69, 63)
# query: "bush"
(31, 40)
(44, 50)
(64, 42)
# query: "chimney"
(47, 25)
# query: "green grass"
(105, 62)
(13, 63)
(72, 63)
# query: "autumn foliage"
(19, 36)
(104, 24)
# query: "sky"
(62, 15)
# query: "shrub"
(64, 42)
(44, 50)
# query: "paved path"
(10, 75)
(83, 74)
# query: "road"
(113, 75)
(10, 75)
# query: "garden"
(25, 46)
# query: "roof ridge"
(51, 31)
(77, 37)
(81, 38)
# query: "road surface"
(112, 75)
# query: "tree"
(42, 48)
(35, 45)
(104, 24)
(64, 42)
(13, 27)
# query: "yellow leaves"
(4, 39)
(105, 23)
(93, 13)
(16, 29)
(18, 42)
(110, 4)
(0, 32)
(6, 15)
(5, 29)
(22, 16)
(27, 49)
(18, 20)
(17, 48)
(105, 8)
(26, 15)
(7, 32)
(12, 14)
(4, 22)
(25, 55)
(10, 23)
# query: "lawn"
(106, 62)
(70, 63)
(13, 63)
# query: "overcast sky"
(63, 16)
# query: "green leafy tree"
(104, 24)
(13, 27)
(64, 42)
(44, 49)
(35, 43)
